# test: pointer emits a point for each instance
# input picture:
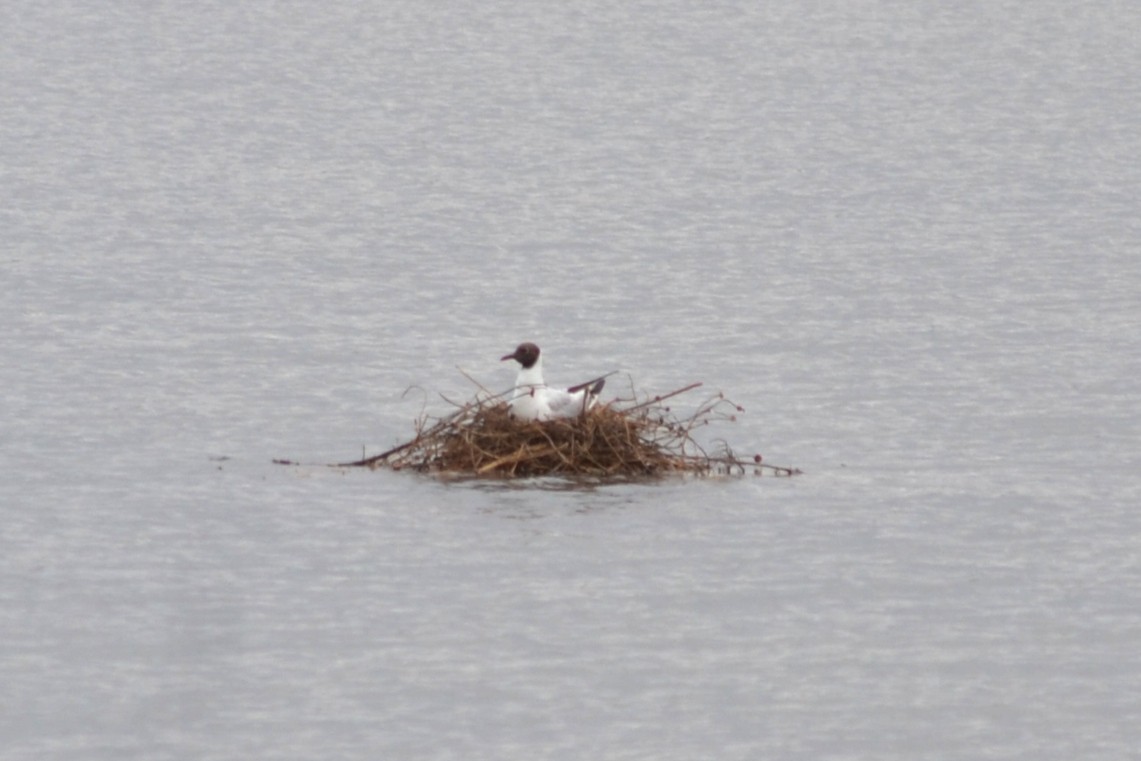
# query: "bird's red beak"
(506, 357)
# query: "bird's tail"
(593, 386)
(590, 391)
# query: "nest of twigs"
(628, 438)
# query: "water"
(903, 237)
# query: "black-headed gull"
(533, 400)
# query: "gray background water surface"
(904, 236)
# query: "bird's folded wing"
(562, 403)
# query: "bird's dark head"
(526, 354)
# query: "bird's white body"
(532, 399)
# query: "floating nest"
(624, 438)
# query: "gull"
(534, 400)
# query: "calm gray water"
(904, 236)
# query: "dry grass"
(625, 438)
